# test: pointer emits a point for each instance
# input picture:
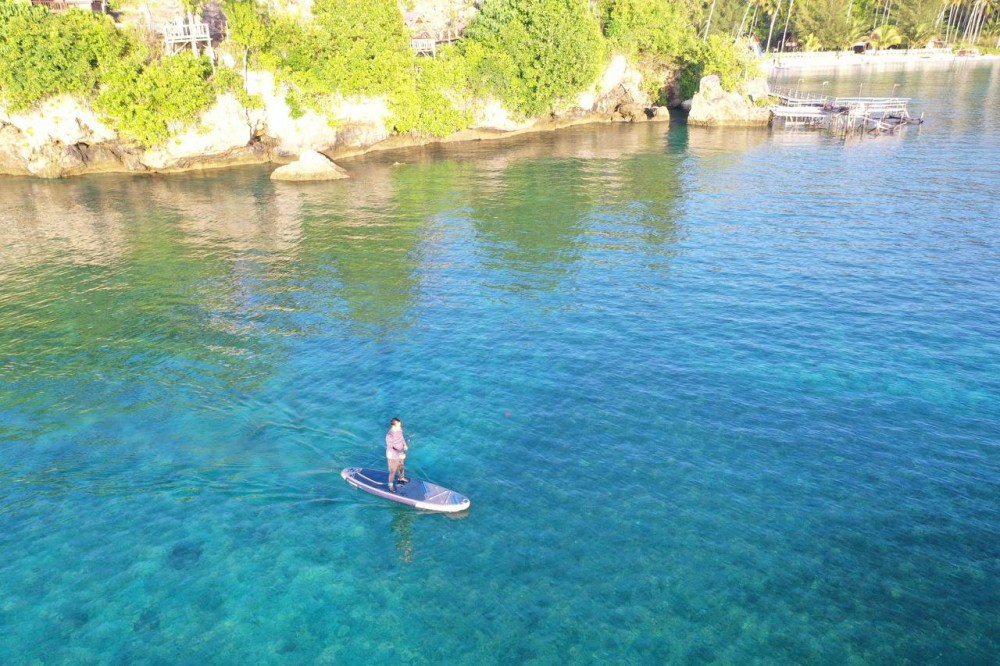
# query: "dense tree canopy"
(533, 55)
(836, 24)
(43, 54)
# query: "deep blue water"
(716, 396)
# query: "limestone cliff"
(712, 106)
(65, 137)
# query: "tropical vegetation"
(144, 96)
(838, 24)
(536, 56)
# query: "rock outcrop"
(620, 84)
(61, 136)
(641, 112)
(757, 90)
(65, 137)
(311, 165)
(714, 107)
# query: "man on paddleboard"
(395, 453)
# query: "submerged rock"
(185, 554)
(311, 165)
(713, 106)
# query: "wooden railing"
(98, 6)
(194, 34)
(427, 43)
(186, 32)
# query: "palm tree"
(978, 20)
(774, 17)
(919, 21)
(784, 33)
(886, 36)
(954, 7)
(746, 12)
(991, 29)
(708, 23)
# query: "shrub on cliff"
(247, 27)
(353, 47)
(362, 48)
(145, 98)
(720, 55)
(648, 27)
(532, 54)
(656, 34)
(44, 54)
(81, 53)
(430, 102)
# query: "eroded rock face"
(291, 135)
(11, 162)
(360, 134)
(713, 106)
(634, 112)
(311, 165)
(758, 89)
(620, 84)
(493, 116)
(64, 136)
(660, 114)
(221, 129)
(52, 140)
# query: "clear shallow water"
(716, 397)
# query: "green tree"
(732, 15)
(44, 54)
(648, 27)
(828, 23)
(248, 28)
(145, 99)
(532, 54)
(719, 55)
(352, 48)
(363, 46)
(886, 37)
(430, 101)
(917, 20)
(991, 30)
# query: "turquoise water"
(717, 397)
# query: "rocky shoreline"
(65, 137)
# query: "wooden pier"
(799, 115)
(875, 115)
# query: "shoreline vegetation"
(85, 91)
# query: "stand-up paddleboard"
(418, 493)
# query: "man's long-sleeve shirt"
(395, 445)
